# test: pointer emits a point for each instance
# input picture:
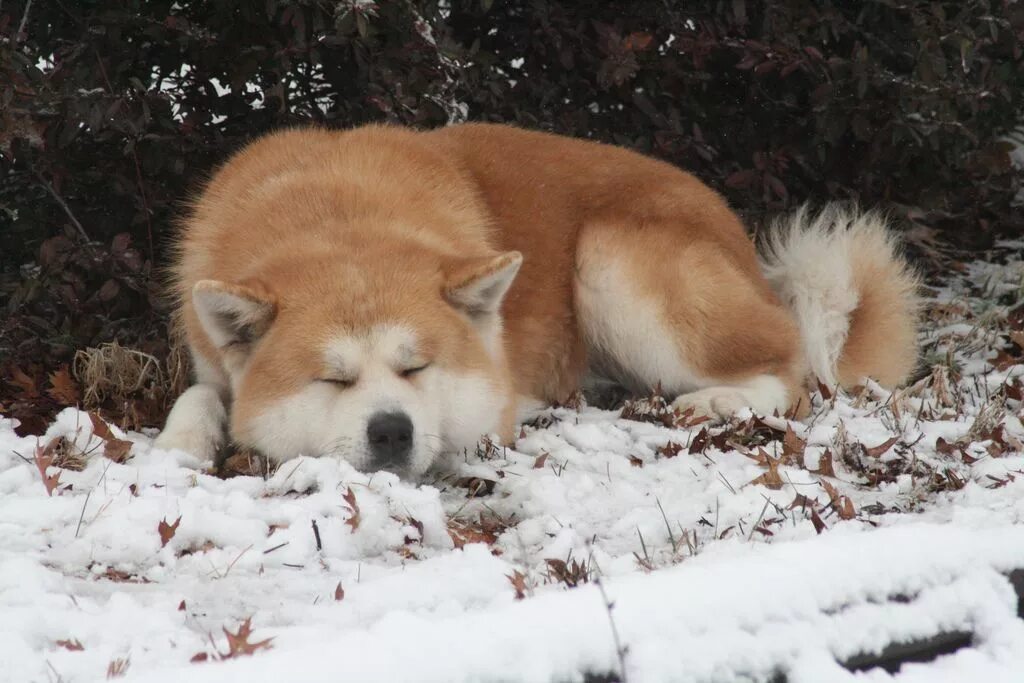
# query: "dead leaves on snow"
(239, 645)
(113, 448)
(62, 453)
(167, 531)
(353, 509)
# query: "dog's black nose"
(390, 437)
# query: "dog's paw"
(715, 403)
(196, 423)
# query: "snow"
(710, 575)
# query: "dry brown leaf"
(43, 459)
(670, 450)
(167, 531)
(463, 533)
(339, 592)
(700, 441)
(842, 504)
(63, 389)
(881, 448)
(816, 520)
(24, 382)
(518, 581)
(476, 486)
(353, 507)
(771, 479)
(946, 448)
(71, 644)
(539, 462)
(117, 450)
(238, 643)
(826, 393)
(825, 465)
(801, 501)
(793, 448)
(635, 461)
(100, 428)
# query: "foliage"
(111, 113)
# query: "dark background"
(904, 105)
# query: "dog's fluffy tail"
(854, 297)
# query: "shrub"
(112, 112)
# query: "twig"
(67, 210)
(82, 516)
(316, 535)
(760, 517)
(24, 22)
(619, 649)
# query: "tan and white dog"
(387, 295)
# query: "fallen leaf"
(476, 486)
(199, 657)
(826, 393)
(353, 507)
(181, 606)
(71, 644)
(793, 448)
(339, 592)
(167, 531)
(881, 448)
(771, 479)
(63, 389)
(539, 462)
(463, 533)
(518, 581)
(825, 465)
(43, 460)
(238, 643)
(635, 461)
(27, 384)
(801, 501)
(670, 450)
(700, 441)
(117, 450)
(842, 504)
(819, 525)
(946, 448)
(100, 428)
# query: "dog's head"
(385, 360)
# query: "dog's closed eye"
(410, 372)
(340, 382)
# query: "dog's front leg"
(197, 423)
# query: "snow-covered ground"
(741, 552)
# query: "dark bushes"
(111, 111)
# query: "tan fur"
(344, 230)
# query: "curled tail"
(854, 297)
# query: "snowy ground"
(733, 553)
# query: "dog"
(387, 295)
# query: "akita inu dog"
(387, 295)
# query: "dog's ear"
(478, 286)
(232, 314)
